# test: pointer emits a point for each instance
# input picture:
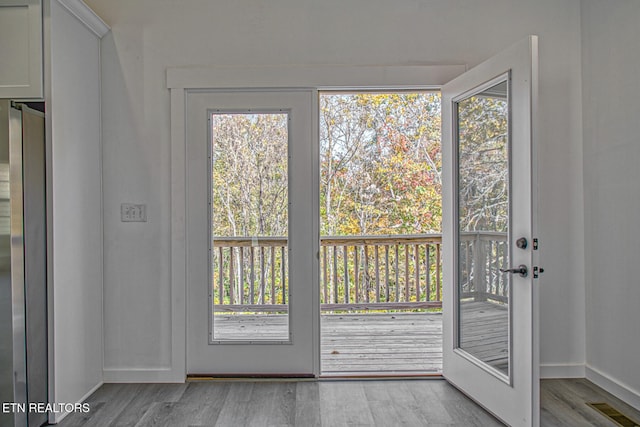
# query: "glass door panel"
(483, 224)
(249, 226)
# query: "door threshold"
(250, 377)
(381, 376)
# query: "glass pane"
(483, 226)
(249, 223)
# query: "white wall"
(150, 35)
(73, 135)
(611, 111)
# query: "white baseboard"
(562, 371)
(614, 386)
(115, 375)
(56, 417)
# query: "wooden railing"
(380, 272)
(482, 255)
(357, 272)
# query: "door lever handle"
(521, 270)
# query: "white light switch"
(131, 212)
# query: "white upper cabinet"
(21, 49)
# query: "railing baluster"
(262, 278)
(365, 277)
(438, 284)
(232, 276)
(490, 281)
(252, 277)
(467, 264)
(356, 272)
(283, 274)
(345, 255)
(386, 260)
(427, 266)
(221, 277)
(377, 261)
(241, 274)
(416, 257)
(407, 291)
(273, 275)
(397, 268)
(326, 273)
(505, 262)
(335, 274)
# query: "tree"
(380, 163)
(483, 168)
(249, 174)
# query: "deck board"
(396, 343)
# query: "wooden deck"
(392, 343)
(402, 343)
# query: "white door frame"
(182, 80)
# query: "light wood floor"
(391, 343)
(324, 403)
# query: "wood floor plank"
(326, 403)
(429, 396)
(144, 398)
(307, 391)
(308, 413)
(106, 404)
(344, 403)
(567, 401)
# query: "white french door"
(490, 250)
(251, 305)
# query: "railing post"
(479, 269)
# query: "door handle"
(522, 270)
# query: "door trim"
(180, 81)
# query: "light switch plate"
(131, 212)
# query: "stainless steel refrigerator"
(23, 283)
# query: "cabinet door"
(21, 49)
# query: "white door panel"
(208, 350)
(490, 341)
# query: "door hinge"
(537, 271)
(535, 243)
